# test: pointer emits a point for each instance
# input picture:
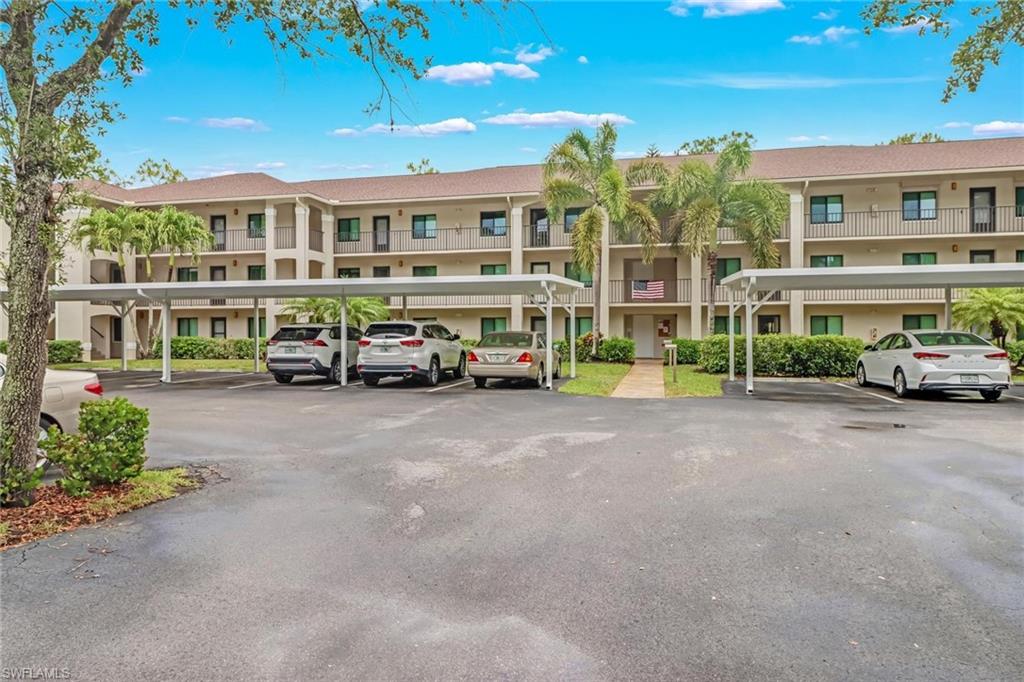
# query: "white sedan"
(935, 361)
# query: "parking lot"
(811, 532)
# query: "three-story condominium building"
(920, 204)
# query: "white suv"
(310, 349)
(407, 349)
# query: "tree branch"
(87, 67)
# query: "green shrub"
(469, 343)
(583, 348)
(204, 348)
(3, 346)
(1016, 351)
(110, 446)
(17, 484)
(687, 351)
(617, 349)
(57, 352)
(785, 355)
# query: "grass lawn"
(594, 378)
(691, 382)
(176, 365)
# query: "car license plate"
(968, 379)
(289, 349)
(496, 357)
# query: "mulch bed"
(54, 511)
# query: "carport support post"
(343, 338)
(124, 337)
(549, 328)
(732, 335)
(256, 335)
(572, 335)
(749, 338)
(405, 307)
(949, 308)
(165, 361)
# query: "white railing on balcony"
(915, 223)
(439, 239)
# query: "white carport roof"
(879, 277)
(301, 288)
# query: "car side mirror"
(869, 347)
(456, 337)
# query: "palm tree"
(701, 199)
(361, 310)
(182, 233)
(1001, 310)
(580, 170)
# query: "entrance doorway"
(643, 335)
(983, 209)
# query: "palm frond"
(646, 172)
(756, 210)
(560, 194)
(639, 220)
(613, 194)
(586, 238)
(699, 226)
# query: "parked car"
(64, 391)
(935, 361)
(310, 349)
(511, 355)
(409, 349)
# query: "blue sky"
(793, 73)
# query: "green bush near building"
(205, 348)
(1016, 351)
(785, 355)
(59, 351)
(617, 349)
(687, 351)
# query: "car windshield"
(950, 339)
(507, 340)
(297, 333)
(390, 330)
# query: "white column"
(270, 225)
(301, 241)
(732, 336)
(796, 260)
(549, 328)
(256, 335)
(329, 239)
(165, 364)
(750, 343)
(123, 310)
(696, 298)
(606, 268)
(516, 264)
(572, 337)
(344, 340)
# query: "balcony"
(725, 235)
(477, 301)
(722, 294)
(936, 295)
(918, 223)
(649, 291)
(409, 241)
(214, 303)
(284, 237)
(233, 240)
(545, 235)
(316, 240)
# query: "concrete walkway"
(645, 380)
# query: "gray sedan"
(511, 355)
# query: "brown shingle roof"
(777, 164)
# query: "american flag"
(648, 290)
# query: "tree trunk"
(598, 293)
(712, 273)
(29, 315)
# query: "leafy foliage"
(361, 310)
(1016, 351)
(999, 310)
(687, 351)
(205, 348)
(785, 355)
(617, 349)
(153, 172)
(715, 144)
(110, 446)
(424, 167)
(1001, 24)
(58, 351)
(916, 138)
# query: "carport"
(753, 288)
(542, 291)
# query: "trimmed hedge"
(57, 352)
(469, 344)
(785, 355)
(617, 349)
(1016, 351)
(205, 348)
(687, 351)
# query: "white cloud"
(714, 9)
(827, 15)
(582, 59)
(555, 118)
(176, 119)
(956, 124)
(916, 26)
(448, 126)
(628, 155)
(525, 54)
(832, 34)
(477, 73)
(805, 40)
(809, 138)
(784, 81)
(270, 165)
(235, 123)
(528, 150)
(141, 72)
(999, 128)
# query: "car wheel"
(460, 371)
(480, 382)
(283, 378)
(539, 383)
(370, 381)
(42, 462)
(335, 375)
(862, 376)
(433, 373)
(899, 383)
(991, 395)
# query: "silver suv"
(310, 349)
(409, 349)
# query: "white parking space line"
(1013, 397)
(451, 385)
(250, 385)
(192, 381)
(335, 387)
(873, 395)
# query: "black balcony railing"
(916, 222)
(725, 234)
(316, 240)
(284, 237)
(438, 239)
(649, 291)
(234, 240)
(543, 235)
(722, 294)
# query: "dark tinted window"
(297, 333)
(884, 343)
(950, 339)
(507, 339)
(441, 332)
(390, 330)
(899, 342)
